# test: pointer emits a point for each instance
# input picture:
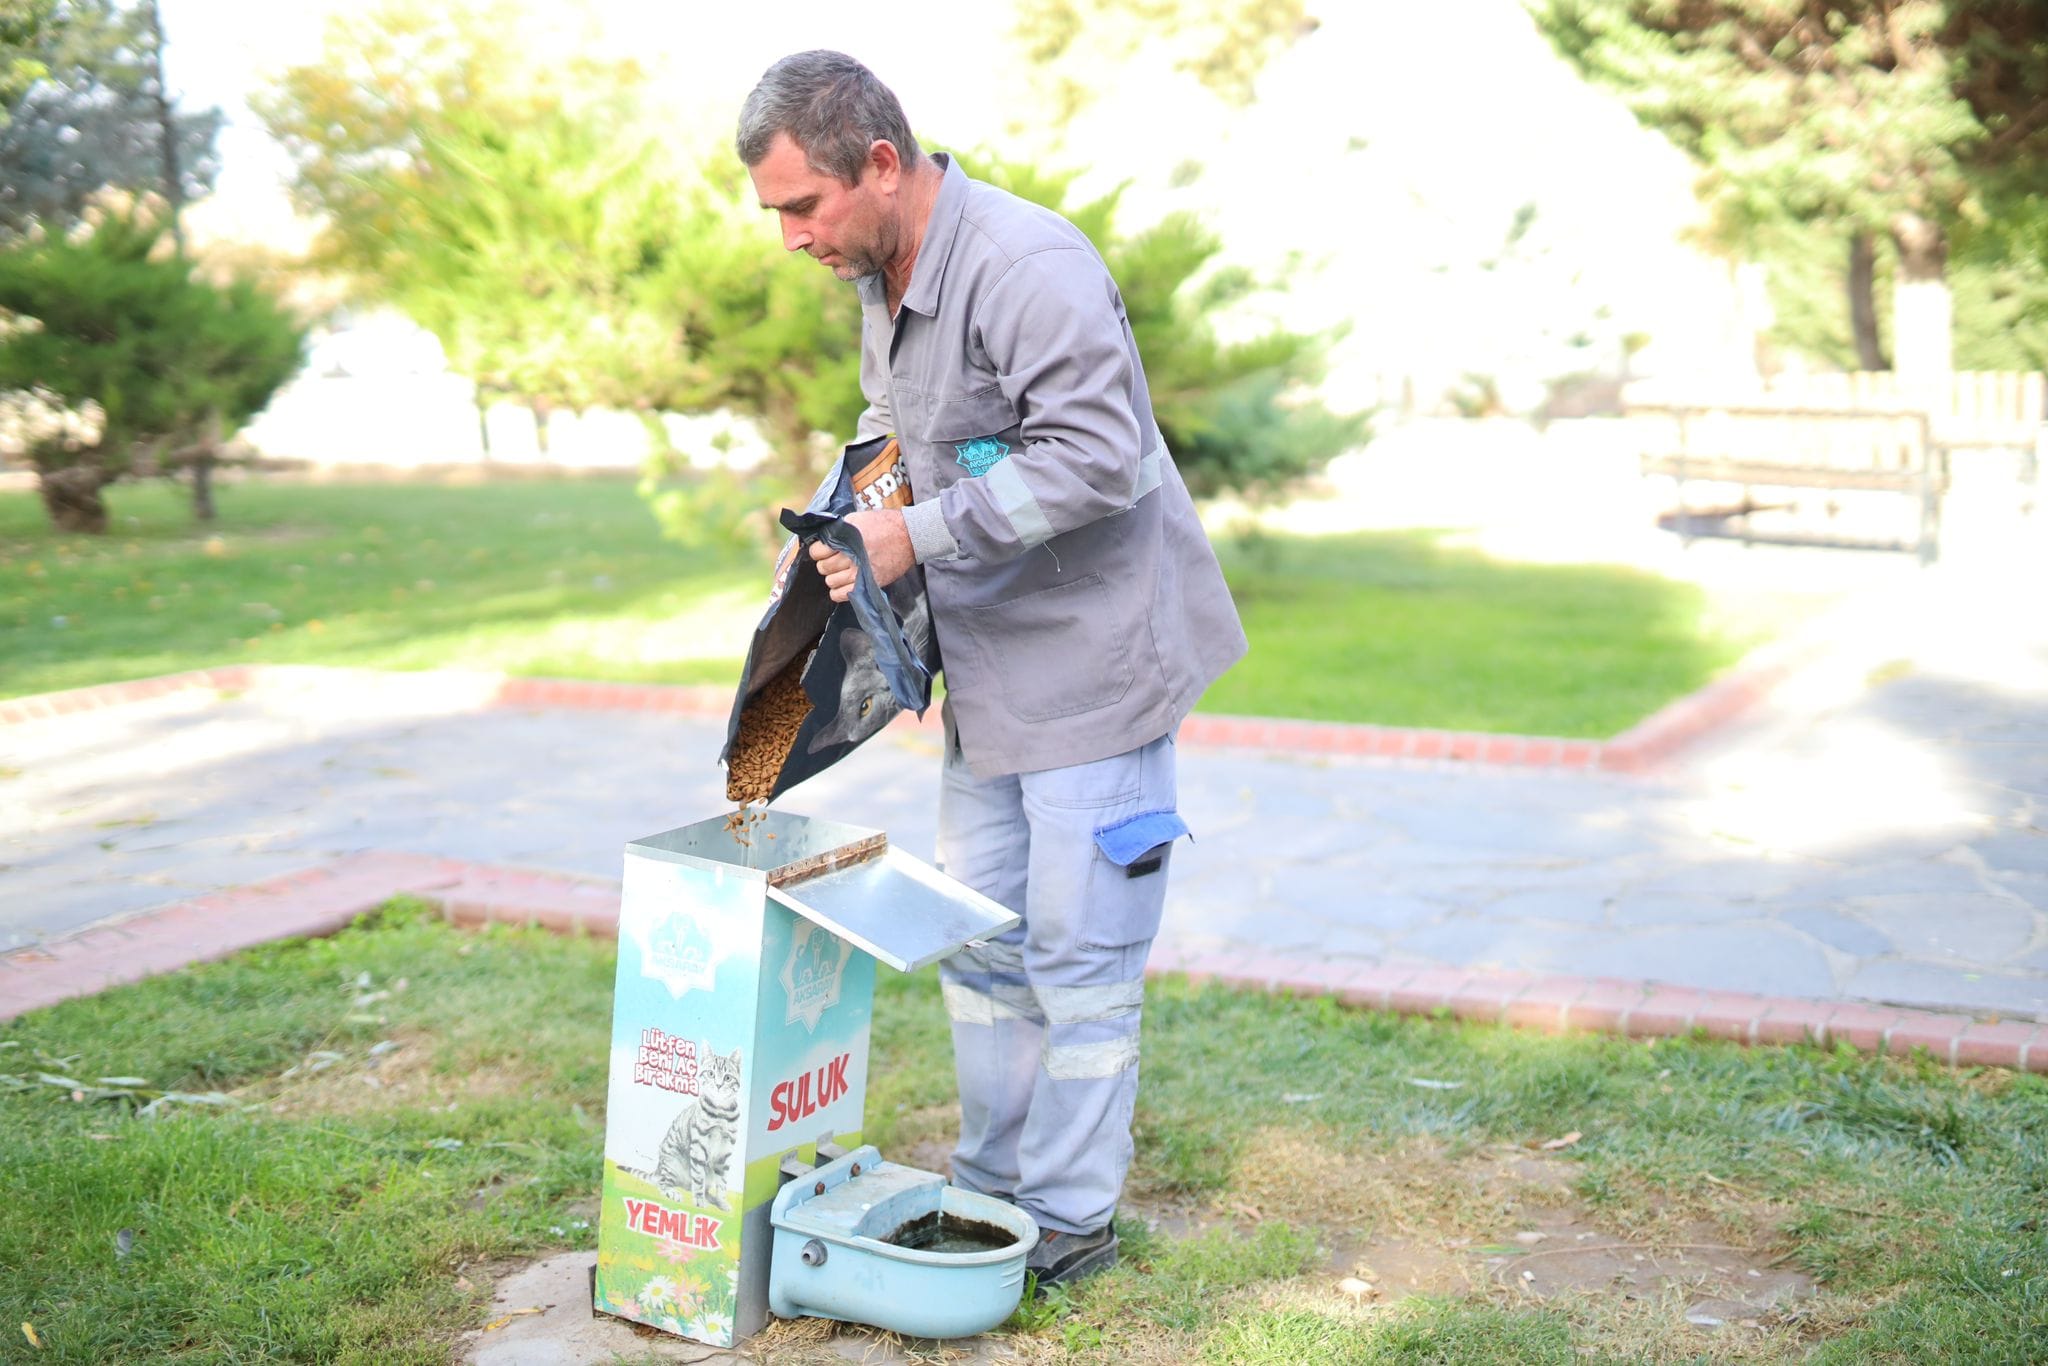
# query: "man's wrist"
(930, 539)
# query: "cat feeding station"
(735, 1176)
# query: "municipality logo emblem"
(678, 955)
(817, 962)
(980, 455)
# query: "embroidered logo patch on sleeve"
(980, 455)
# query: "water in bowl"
(941, 1232)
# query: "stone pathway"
(1878, 831)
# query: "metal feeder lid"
(848, 880)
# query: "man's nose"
(795, 237)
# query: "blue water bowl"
(847, 1241)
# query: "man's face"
(849, 228)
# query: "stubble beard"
(857, 263)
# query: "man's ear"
(886, 163)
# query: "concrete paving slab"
(1582, 905)
(1670, 908)
(2022, 851)
(1735, 881)
(1972, 927)
(1466, 941)
(1893, 877)
(50, 906)
(1751, 956)
(1836, 930)
(1752, 864)
(2020, 994)
(565, 1332)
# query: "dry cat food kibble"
(841, 670)
(741, 821)
(768, 728)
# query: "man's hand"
(888, 546)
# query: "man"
(1077, 604)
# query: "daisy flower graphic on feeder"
(713, 1327)
(659, 1294)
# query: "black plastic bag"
(859, 662)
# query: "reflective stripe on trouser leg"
(1088, 930)
(998, 1033)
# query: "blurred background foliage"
(165, 363)
(85, 113)
(527, 212)
(1824, 130)
(522, 199)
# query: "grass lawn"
(569, 578)
(385, 1117)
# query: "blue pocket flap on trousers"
(1128, 840)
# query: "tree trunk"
(541, 408)
(202, 486)
(72, 498)
(166, 129)
(1863, 303)
(204, 461)
(1922, 312)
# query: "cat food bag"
(823, 676)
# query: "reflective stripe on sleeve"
(1072, 1005)
(1088, 1061)
(1027, 518)
(1149, 473)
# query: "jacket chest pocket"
(967, 437)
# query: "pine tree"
(563, 256)
(1239, 417)
(93, 119)
(162, 366)
(1874, 119)
(22, 24)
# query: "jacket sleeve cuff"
(929, 537)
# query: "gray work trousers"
(1045, 1017)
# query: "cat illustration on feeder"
(695, 1151)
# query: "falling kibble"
(768, 727)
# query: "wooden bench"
(1837, 451)
(1973, 410)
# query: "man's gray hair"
(832, 107)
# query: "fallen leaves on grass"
(1556, 1144)
(1357, 1289)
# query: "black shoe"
(1063, 1258)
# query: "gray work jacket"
(1078, 605)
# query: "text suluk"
(806, 1095)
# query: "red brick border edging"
(36, 706)
(323, 900)
(1643, 745)
(1558, 1004)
